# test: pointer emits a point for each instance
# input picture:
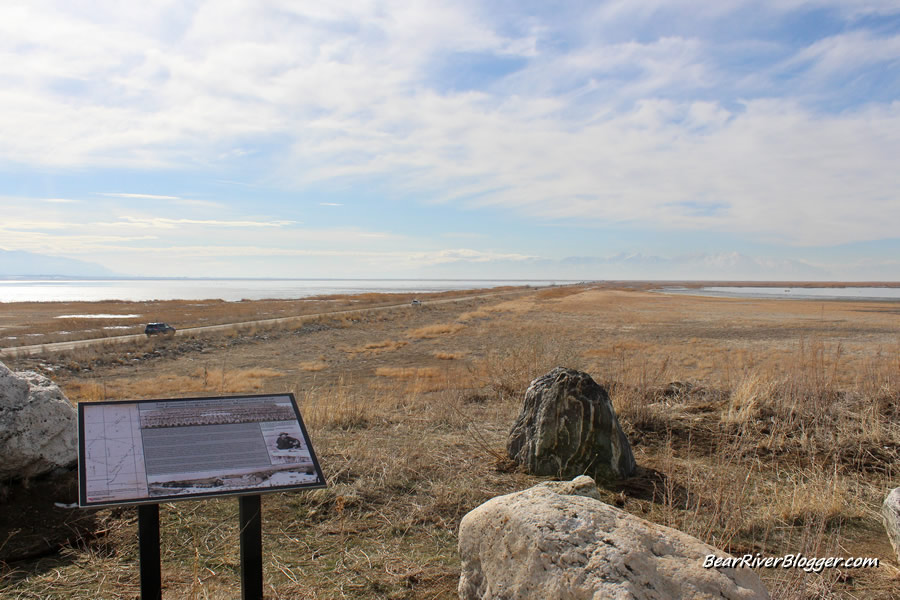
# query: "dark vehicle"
(159, 329)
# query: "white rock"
(890, 513)
(558, 540)
(37, 425)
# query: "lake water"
(232, 290)
(796, 293)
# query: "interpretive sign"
(162, 450)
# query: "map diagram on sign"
(167, 449)
(114, 455)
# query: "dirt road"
(72, 345)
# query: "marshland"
(758, 426)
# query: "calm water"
(845, 293)
(232, 290)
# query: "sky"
(663, 139)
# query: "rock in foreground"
(890, 513)
(37, 426)
(568, 427)
(558, 540)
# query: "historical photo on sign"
(166, 449)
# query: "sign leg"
(251, 547)
(148, 543)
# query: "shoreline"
(699, 293)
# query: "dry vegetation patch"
(434, 331)
(204, 381)
(486, 312)
(558, 292)
(408, 372)
(376, 347)
(313, 365)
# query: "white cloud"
(850, 8)
(11, 223)
(831, 60)
(773, 170)
(70, 244)
(624, 133)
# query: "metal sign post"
(148, 542)
(251, 547)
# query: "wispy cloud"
(330, 204)
(73, 244)
(19, 224)
(386, 257)
(465, 255)
(140, 196)
(166, 223)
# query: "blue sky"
(586, 140)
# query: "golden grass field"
(779, 435)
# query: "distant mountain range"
(722, 266)
(17, 263)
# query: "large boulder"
(37, 426)
(568, 427)
(558, 540)
(890, 513)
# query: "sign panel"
(164, 450)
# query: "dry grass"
(376, 347)
(513, 307)
(407, 372)
(434, 331)
(204, 380)
(757, 428)
(507, 371)
(313, 365)
(559, 292)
